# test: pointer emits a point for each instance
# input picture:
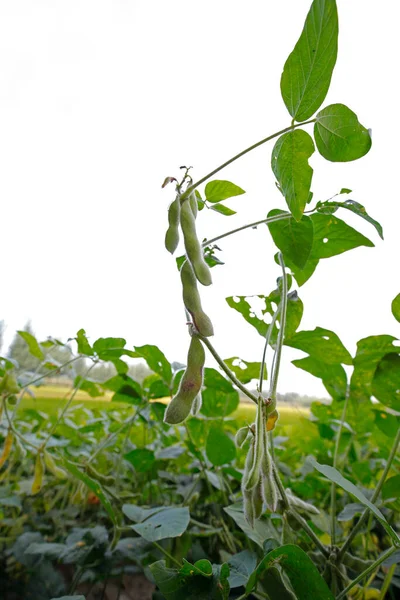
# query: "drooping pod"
(38, 474)
(193, 204)
(190, 386)
(172, 235)
(51, 465)
(192, 245)
(241, 436)
(300, 504)
(192, 302)
(7, 447)
(269, 487)
(255, 469)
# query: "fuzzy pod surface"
(192, 301)
(190, 386)
(192, 244)
(172, 235)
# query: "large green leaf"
(293, 315)
(192, 582)
(300, 275)
(333, 375)
(262, 530)
(391, 488)
(142, 459)
(333, 475)
(370, 351)
(126, 389)
(156, 361)
(166, 523)
(241, 566)
(219, 396)
(223, 210)
(95, 487)
(333, 236)
(339, 135)
(355, 207)
(396, 308)
(33, 344)
(219, 190)
(308, 70)
(322, 344)
(220, 448)
(293, 238)
(289, 163)
(83, 343)
(387, 423)
(304, 577)
(386, 381)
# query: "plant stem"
(376, 493)
(226, 370)
(248, 226)
(15, 431)
(167, 554)
(267, 340)
(367, 571)
(281, 334)
(387, 581)
(242, 153)
(335, 461)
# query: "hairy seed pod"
(241, 436)
(38, 475)
(254, 474)
(192, 302)
(51, 465)
(300, 504)
(248, 507)
(192, 245)
(7, 447)
(355, 562)
(257, 499)
(193, 204)
(172, 235)
(104, 479)
(269, 488)
(196, 406)
(247, 466)
(179, 407)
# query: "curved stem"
(15, 431)
(242, 153)
(248, 226)
(376, 493)
(376, 564)
(282, 325)
(226, 370)
(335, 461)
(267, 340)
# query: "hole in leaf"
(236, 299)
(325, 240)
(277, 325)
(325, 337)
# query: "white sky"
(100, 100)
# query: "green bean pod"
(269, 487)
(248, 507)
(190, 386)
(51, 465)
(172, 235)
(192, 302)
(255, 470)
(300, 504)
(241, 436)
(193, 204)
(192, 244)
(257, 499)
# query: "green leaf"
(387, 423)
(289, 163)
(189, 583)
(333, 475)
(391, 488)
(241, 566)
(262, 530)
(167, 523)
(322, 344)
(304, 577)
(156, 361)
(300, 275)
(294, 312)
(308, 70)
(386, 381)
(94, 486)
(219, 396)
(370, 351)
(141, 458)
(245, 371)
(333, 236)
(333, 375)
(83, 343)
(126, 389)
(138, 513)
(219, 190)
(223, 210)
(88, 386)
(107, 348)
(272, 581)
(201, 567)
(33, 344)
(339, 135)
(293, 238)
(355, 207)
(48, 550)
(220, 449)
(396, 308)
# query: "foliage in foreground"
(167, 491)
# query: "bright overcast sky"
(100, 100)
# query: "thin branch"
(335, 461)
(367, 571)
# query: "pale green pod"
(193, 204)
(172, 235)
(53, 467)
(241, 436)
(247, 466)
(270, 491)
(257, 499)
(300, 504)
(192, 301)
(192, 244)
(190, 386)
(248, 507)
(196, 406)
(254, 474)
